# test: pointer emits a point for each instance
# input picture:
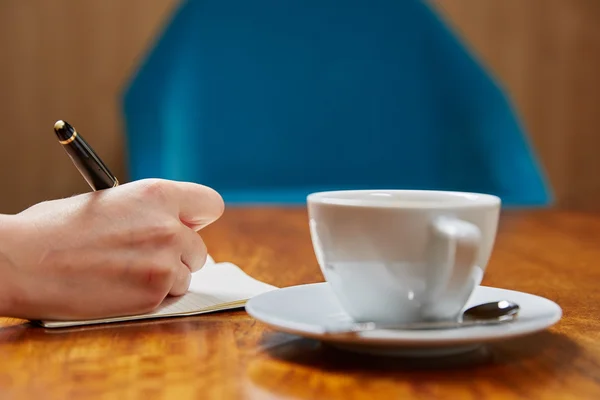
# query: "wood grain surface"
(229, 355)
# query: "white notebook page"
(217, 286)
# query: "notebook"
(216, 287)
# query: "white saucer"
(304, 310)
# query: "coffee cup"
(400, 256)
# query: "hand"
(113, 252)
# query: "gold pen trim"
(116, 183)
(69, 140)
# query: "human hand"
(113, 252)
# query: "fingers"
(199, 205)
(183, 277)
(196, 205)
(194, 252)
(193, 257)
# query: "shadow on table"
(307, 369)
(306, 352)
(30, 331)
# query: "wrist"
(8, 230)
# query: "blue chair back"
(269, 100)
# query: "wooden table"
(231, 356)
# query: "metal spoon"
(492, 313)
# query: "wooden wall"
(65, 59)
(68, 59)
(546, 53)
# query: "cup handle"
(453, 253)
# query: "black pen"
(91, 167)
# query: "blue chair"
(269, 100)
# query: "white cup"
(398, 256)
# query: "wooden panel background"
(68, 59)
(65, 59)
(546, 53)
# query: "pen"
(91, 167)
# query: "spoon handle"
(371, 326)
